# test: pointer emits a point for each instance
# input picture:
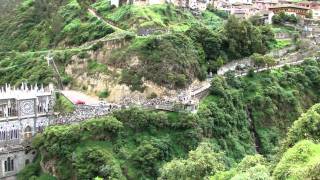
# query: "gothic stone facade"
(23, 113)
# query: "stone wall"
(283, 35)
(20, 158)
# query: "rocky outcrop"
(110, 80)
(49, 167)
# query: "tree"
(145, 157)
(201, 163)
(243, 39)
(282, 17)
(218, 85)
(299, 162)
(306, 127)
(256, 20)
(103, 128)
(252, 167)
(95, 162)
(276, 19)
(210, 41)
(270, 61)
(258, 60)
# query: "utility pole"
(50, 60)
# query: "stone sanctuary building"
(24, 112)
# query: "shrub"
(97, 46)
(152, 95)
(201, 163)
(104, 93)
(95, 162)
(299, 162)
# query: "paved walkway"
(77, 97)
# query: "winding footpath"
(109, 23)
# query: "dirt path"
(95, 14)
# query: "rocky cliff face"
(100, 81)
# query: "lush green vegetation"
(32, 67)
(156, 17)
(63, 105)
(46, 24)
(240, 117)
(306, 127)
(299, 162)
(169, 60)
(263, 61)
(251, 167)
(16, 68)
(174, 60)
(104, 93)
(282, 18)
(273, 100)
(298, 159)
(135, 144)
(180, 49)
(201, 162)
(282, 43)
(283, 29)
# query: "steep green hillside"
(298, 158)
(44, 24)
(158, 18)
(16, 68)
(134, 143)
(169, 60)
(272, 100)
(174, 60)
(177, 47)
(32, 67)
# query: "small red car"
(80, 102)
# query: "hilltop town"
(265, 9)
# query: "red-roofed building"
(314, 6)
(291, 9)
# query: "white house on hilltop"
(199, 5)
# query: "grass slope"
(44, 24)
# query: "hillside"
(249, 126)
(142, 144)
(146, 49)
(8, 6)
(45, 24)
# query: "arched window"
(27, 162)
(2, 135)
(8, 165)
(11, 134)
(1, 111)
(16, 134)
(28, 132)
